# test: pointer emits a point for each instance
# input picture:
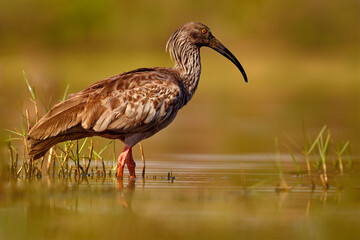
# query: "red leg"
(131, 165)
(121, 161)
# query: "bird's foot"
(126, 157)
(121, 161)
(131, 166)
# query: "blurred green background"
(301, 57)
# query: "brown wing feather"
(141, 106)
(57, 121)
(38, 148)
(130, 102)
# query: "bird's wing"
(128, 102)
(133, 104)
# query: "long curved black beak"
(220, 48)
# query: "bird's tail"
(38, 148)
(62, 123)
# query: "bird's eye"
(204, 31)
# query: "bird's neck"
(187, 63)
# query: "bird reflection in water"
(125, 194)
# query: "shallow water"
(209, 197)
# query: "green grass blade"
(114, 155)
(327, 141)
(65, 93)
(46, 105)
(31, 89)
(323, 147)
(305, 143)
(294, 160)
(14, 132)
(50, 99)
(13, 138)
(104, 148)
(97, 154)
(82, 146)
(43, 103)
(348, 158)
(344, 147)
(317, 139)
(278, 163)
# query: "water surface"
(206, 197)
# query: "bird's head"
(199, 35)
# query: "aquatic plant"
(58, 157)
(316, 154)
